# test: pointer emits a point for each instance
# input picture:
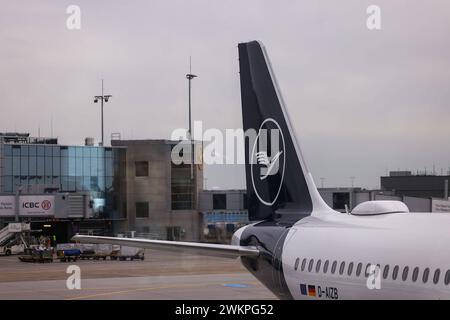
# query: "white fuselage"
(412, 240)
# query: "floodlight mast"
(191, 76)
(102, 98)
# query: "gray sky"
(361, 101)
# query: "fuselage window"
(395, 273)
(366, 272)
(405, 273)
(415, 274)
(297, 261)
(303, 264)
(341, 268)
(426, 273)
(437, 273)
(333, 267)
(447, 277)
(350, 269)
(310, 265)
(386, 271)
(325, 266)
(318, 265)
(358, 269)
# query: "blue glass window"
(16, 165)
(79, 152)
(32, 165)
(16, 151)
(24, 166)
(100, 152)
(24, 180)
(64, 151)
(72, 152)
(56, 166)
(101, 183)
(40, 151)
(56, 151)
(79, 167)
(72, 166)
(101, 166)
(8, 166)
(94, 167)
(108, 167)
(8, 152)
(32, 150)
(64, 166)
(48, 151)
(71, 184)
(56, 181)
(48, 166)
(40, 166)
(16, 183)
(86, 183)
(108, 186)
(24, 151)
(8, 183)
(64, 184)
(86, 167)
(79, 183)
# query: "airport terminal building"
(132, 187)
(76, 184)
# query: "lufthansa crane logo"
(268, 162)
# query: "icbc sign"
(36, 205)
(45, 205)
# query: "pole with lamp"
(102, 98)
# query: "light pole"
(17, 201)
(102, 98)
(190, 76)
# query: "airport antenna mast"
(103, 98)
(190, 76)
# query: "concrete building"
(405, 183)
(160, 198)
(222, 212)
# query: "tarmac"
(161, 276)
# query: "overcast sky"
(362, 101)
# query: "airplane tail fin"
(278, 181)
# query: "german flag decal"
(303, 290)
(312, 291)
(308, 290)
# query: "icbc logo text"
(46, 205)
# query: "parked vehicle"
(126, 253)
(40, 255)
(67, 252)
(14, 249)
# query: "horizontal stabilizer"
(207, 249)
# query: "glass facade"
(66, 168)
(182, 187)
